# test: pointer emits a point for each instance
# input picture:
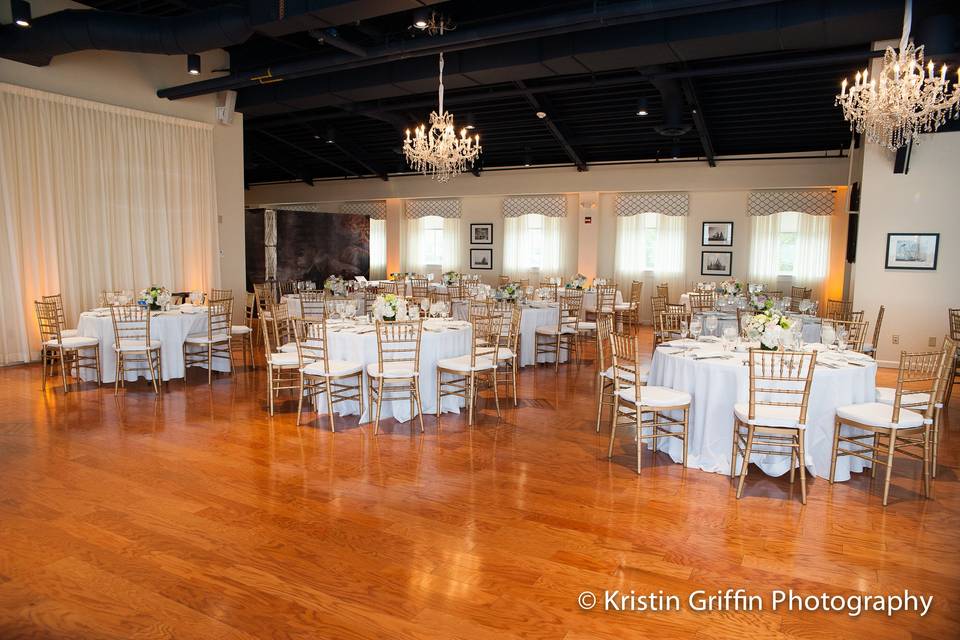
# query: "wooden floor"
(198, 516)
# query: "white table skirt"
(716, 385)
(434, 346)
(171, 328)
(530, 319)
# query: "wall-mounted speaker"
(855, 197)
(901, 163)
(226, 103)
(853, 224)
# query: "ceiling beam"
(358, 156)
(304, 151)
(699, 121)
(554, 130)
(299, 175)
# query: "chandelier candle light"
(438, 151)
(905, 100)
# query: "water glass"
(711, 325)
(696, 328)
(729, 337)
(827, 334)
(841, 339)
(684, 329)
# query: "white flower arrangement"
(155, 296)
(578, 282)
(768, 327)
(731, 287)
(507, 291)
(335, 285)
(390, 307)
(450, 277)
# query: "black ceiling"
(743, 76)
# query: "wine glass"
(350, 309)
(425, 305)
(696, 328)
(842, 336)
(711, 323)
(684, 329)
(828, 334)
(729, 337)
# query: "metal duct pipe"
(76, 30)
(674, 107)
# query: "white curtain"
(378, 249)
(533, 243)
(415, 256)
(811, 253)
(651, 248)
(97, 197)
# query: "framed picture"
(481, 258)
(717, 234)
(481, 233)
(716, 263)
(912, 251)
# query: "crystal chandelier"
(904, 101)
(437, 150)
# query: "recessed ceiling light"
(421, 18)
(541, 114)
(642, 107)
(20, 11)
(193, 64)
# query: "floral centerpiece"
(768, 326)
(451, 277)
(731, 287)
(335, 285)
(578, 282)
(400, 276)
(761, 302)
(390, 307)
(155, 297)
(508, 291)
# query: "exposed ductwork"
(76, 30)
(674, 107)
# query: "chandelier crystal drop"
(907, 99)
(438, 151)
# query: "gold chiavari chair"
(369, 295)
(605, 305)
(917, 402)
(774, 295)
(741, 314)
(524, 282)
(502, 280)
(264, 293)
(551, 291)
(605, 385)
(103, 300)
(242, 334)
(663, 291)
(882, 430)
(800, 293)
(283, 367)
(466, 373)
(631, 316)
(670, 325)
(856, 316)
(871, 347)
(396, 373)
(508, 345)
(395, 287)
(644, 407)
(288, 287)
(552, 339)
(700, 302)
(216, 342)
(774, 420)
(480, 308)
(838, 310)
(321, 375)
(69, 352)
(675, 307)
(856, 331)
(220, 294)
(313, 305)
(134, 346)
(281, 328)
(419, 288)
(57, 300)
(954, 315)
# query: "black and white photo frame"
(481, 259)
(481, 233)
(717, 234)
(716, 263)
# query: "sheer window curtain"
(414, 257)
(533, 244)
(378, 248)
(96, 197)
(651, 248)
(811, 257)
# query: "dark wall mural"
(312, 246)
(256, 260)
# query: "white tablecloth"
(530, 319)
(716, 385)
(171, 328)
(452, 341)
(294, 309)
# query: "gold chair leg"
(376, 428)
(746, 461)
(890, 451)
(735, 450)
(926, 461)
(686, 448)
(803, 467)
(416, 392)
(63, 372)
(601, 385)
(300, 399)
(876, 448)
(270, 386)
(496, 393)
(613, 424)
(836, 449)
(326, 381)
(439, 395)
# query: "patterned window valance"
(376, 209)
(445, 208)
(667, 203)
(553, 206)
(816, 202)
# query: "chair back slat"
(625, 355)
(131, 324)
(571, 303)
(781, 379)
(311, 338)
(705, 301)
(398, 342)
(313, 304)
(918, 373)
(838, 310)
(219, 316)
(856, 331)
(48, 321)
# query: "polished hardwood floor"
(198, 516)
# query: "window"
(378, 248)
(789, 223)
(431, 240)
(533, 241)
(790, 245)
(649, 242)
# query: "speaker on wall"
(901, 163)
(855, 196)
(853, 223)
(226, 104)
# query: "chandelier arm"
(907, 20)
(441, 80)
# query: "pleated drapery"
(96, 197)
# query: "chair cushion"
(337, 368)
(136, 345)
(462, 363)
(392, 370)
(551, 330)
(888, 395)
(240, 329)
(769, 416)
(644, 372)
(622, 307)
(877, 414)
(73, 342)
(868, 348)
(289, 347)
(285, 359)
(503, 353)
(68, 333)
(201, 339)
(586, 325)
(656, 397)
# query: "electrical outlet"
(896, 339)
(932, 342)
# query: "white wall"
(923, 200)
(131, 80)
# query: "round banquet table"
(171, 328)
(537, 314)
(717, 383)
(357, 342)
(294, 309)
(590, 298)
(810, 330)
